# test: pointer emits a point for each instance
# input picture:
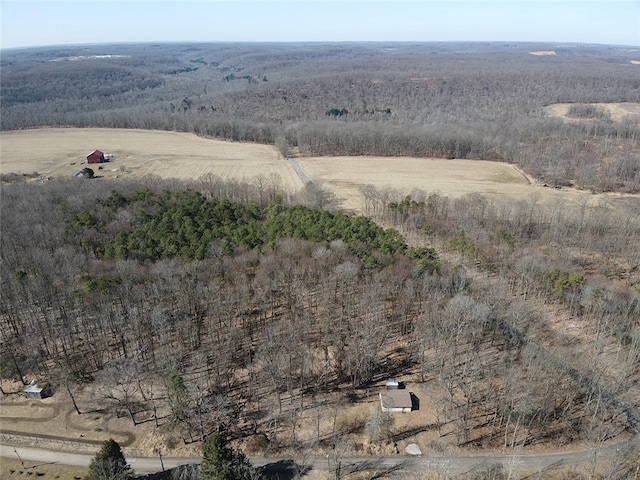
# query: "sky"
(26, 23)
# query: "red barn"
(95, 157)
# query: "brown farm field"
(137, 153)
(345, 176)
(59, 152)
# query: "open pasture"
(137, 153)
(59, 152)
(345, 177)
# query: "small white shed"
(34, 391)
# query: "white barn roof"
(33, 388)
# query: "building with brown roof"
(395, 400)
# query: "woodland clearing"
(53, 422)
(82, 435)
(619, 112)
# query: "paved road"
(139, 464)
(539, 462)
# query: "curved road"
(536, 462)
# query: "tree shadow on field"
(181, 472)
(376, 467)
(413, 431)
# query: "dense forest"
(457, 100)
(226, 308)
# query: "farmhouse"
(95, 157)
(34, 391)
(395, 400)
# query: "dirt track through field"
(33, 412)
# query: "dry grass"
(55, 416)
(13, 469)
(61, 151)
(345, 176)
(316, 425)
(619, 112)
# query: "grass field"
(14, 469)
(59, 152)
(345, 176)
(618, 112)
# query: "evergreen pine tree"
(109, 463)
(221, 462)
